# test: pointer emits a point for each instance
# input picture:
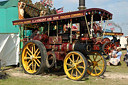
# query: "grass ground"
(115, 75)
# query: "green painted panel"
(6, 17)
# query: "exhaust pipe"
(81, 5)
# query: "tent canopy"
(8, 13)
(8, 3)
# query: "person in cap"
(116, 58)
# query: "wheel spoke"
(29, 65)
(107, 46)
(95, 58)
(28, 53)
(89, 63)
(32, 66)
(99, 60)
(35, 67)
(92, 69)
(81, 67)
(100, 64)
(36, 51)
(110, 45)
(90, 59)
(113, 45)
(80, 61)
(72, 72)
(69, 69)
(95, 71)
(38, 57)
(26, 58)
(73, 57)
(29, 50)
(71, 60)
(37, 63)
(77, 59)
(28, 61)
(78, 71)
(34, 47)
(76, 74)
(89, 66)
(32, 50)
(99, 68)
(69, 64)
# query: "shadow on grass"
(9, 67)
(61, 74)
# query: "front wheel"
(96, 64)
(75, 65)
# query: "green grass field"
(116, 75)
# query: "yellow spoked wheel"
(75, 65)
(96, 64)
(34, 57)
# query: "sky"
(119, 9)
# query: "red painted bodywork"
(53, 42)
(62, 45)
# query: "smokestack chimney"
(81, 5)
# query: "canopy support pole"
(87, 25)
(91, 30)
(57, 28)
(105, 27)
(21, 30)
(70, 30)
(101, 22)
(48, 27)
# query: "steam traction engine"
(57, 45)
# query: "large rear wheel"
(96, 64)
(75, 65)
(34, 57)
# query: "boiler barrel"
(83, 47)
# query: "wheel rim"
(108, 47)
(96, 64)
(74, 66)
(31, 58)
